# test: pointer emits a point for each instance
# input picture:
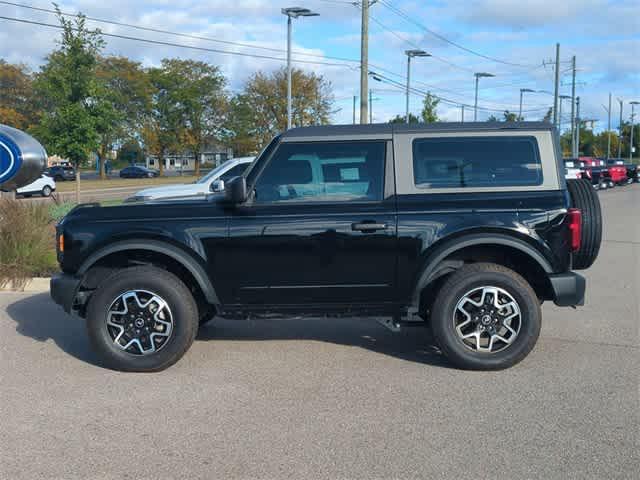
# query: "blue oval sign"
(10, 159)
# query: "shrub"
(59, 210)
(27, 242)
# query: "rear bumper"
(568, 289)
(64, 288)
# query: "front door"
(318, 229)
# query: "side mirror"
(236, 190)
(217, 186)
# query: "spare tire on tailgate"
(585, 198)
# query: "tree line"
(81, 102)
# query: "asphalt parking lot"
(335, 398)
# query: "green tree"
(403, 119)
(429, 112)
(511, 116)
(548, 116)
(17, 106)
(125, 99)
(200, 97)
(492, 118)
(162, 128)
(266, 96)
(69, 126)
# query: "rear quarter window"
(472, 162)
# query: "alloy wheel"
(139, 322)
(487, 319)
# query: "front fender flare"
(185, 259)
(443, 251)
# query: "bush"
(59, 210)
(27, 242)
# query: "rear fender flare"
(435, 259)
(185, 259)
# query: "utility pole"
(574, 150)
(355, 100)
(633, 114)
(462, 117)
(609, 129)
(556, 91)
(620, 131)
(370, 106)
(364, 61)
(577, 127)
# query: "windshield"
(213, 173)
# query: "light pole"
(292, 12)
(523, 91)
(633, 104)
(479, 75)
(561, 98)
(410, 54)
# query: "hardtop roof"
(392, 128)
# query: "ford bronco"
(466, 228)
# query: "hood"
(168, 209)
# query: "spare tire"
(585, 198)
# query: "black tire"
(184, 312)
(603, 185)
(456, 287)
(46, 191)
(586, 200)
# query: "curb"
(33, 285)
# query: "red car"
(618, 173)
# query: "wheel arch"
(438, 263)
(156, 248)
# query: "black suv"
(466, 228)
(61, 172)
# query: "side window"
(329, 172)
(233, 172)
(476, 162)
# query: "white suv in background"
(44, 186)
(212, 182)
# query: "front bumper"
(64, 288)
(568, 289)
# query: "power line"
(176, 34)
(410, 19)
(178, 45)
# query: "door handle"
(368, 227)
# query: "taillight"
(575, 227)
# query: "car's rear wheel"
(586, 200)
(142, 319)
(486, 317)
(603, 185)
(46, 191)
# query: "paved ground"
(334, 398)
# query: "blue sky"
(519, 38)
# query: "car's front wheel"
(46, 191)
(486, 317)
(142, 319)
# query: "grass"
(27, 248)
(27, 230)
(85, 185)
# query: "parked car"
(467, 227)
(599, 176)
(212, 182)
(617, 173)
(572, 169)
(137, 172)
(633, 170)
(61, 173)
(44, 186)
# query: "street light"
(410, 54)
(522, 91)
(292, 12)
(479, 75)
(633, 104)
